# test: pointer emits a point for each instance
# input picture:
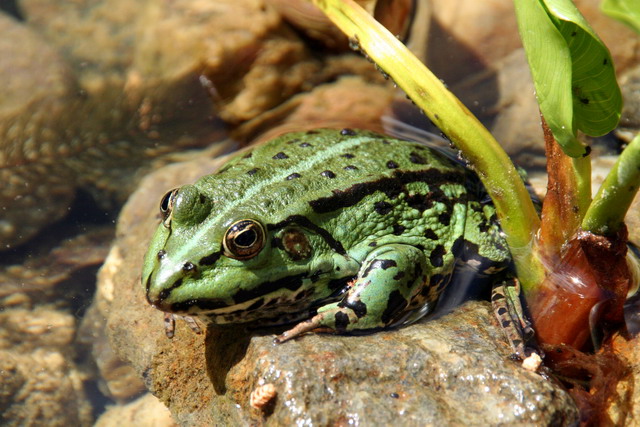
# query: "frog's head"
(217, 258)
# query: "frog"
(337, 230)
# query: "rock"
(24, 330)
(43, 292)
(452, 370)
(116, 378)
(146, 411)
(624, 408)
(49, 268)
(38, 86)
(351, 102)
(42, 388)
(11, 380)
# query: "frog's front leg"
(388, 280)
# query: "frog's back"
(323, 172)
(365, 188)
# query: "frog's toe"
(170, 324)
(331, 318)
(299, 329)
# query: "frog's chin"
(269, 310)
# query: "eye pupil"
(167, 201)
(246, 238)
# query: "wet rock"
(351, 102)
(42, 388)
(11, 380)
(452, 370)
(624, 407)
(43, 292)
(62, 264)
(146, 411)
(24, 330)
(36, 79)
(116, 378)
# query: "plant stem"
(567, 199)
(515, 209)
(609, 207)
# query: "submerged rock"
(146, 411)
(42, 388)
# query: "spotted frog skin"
(346, 231)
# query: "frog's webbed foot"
(505, 299)
(170, 324)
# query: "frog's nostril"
(188, 267)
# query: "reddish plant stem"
(564, 206)
(583, 269)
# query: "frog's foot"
(324, 321)
(170, 324)
(505, 300)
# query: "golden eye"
(244, 239)
(166, 205)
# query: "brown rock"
(624, 408)
(42, 388)
(146, 411)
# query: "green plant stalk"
(515, 209)
(606, 213)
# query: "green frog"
(339, 230)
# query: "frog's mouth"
(285, 296)
(278, 308)
(161, 300)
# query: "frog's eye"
(244, 239)
(166, 205)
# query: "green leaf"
(572, 71)
(626, 11)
